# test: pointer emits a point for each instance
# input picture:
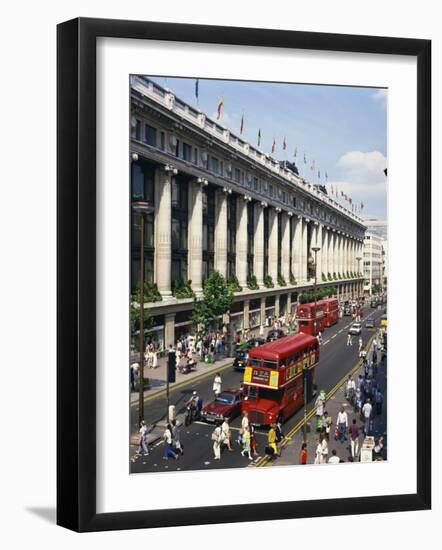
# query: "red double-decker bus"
(276, 376)
(306, 314)
(330, 307)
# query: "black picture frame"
(76, 273)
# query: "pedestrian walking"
(378, 399)
(347, 387)
(319, 338)
(349, 340)
(327, 424)
(324, 450)
(132, 378)
(142, 443)
(303, 456)
(217, 384)
(246, 444)
(279, 436)
(271, 439)
(361, 344)
(244, 425)
(167, 439)
(253, 442)
(176, 438)
(226, 434)
(354, 438)
(366, 413)
(318, 452)
(216, 439)
(342, 424)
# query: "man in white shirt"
(366, 413)
(334, 459)
(342, 422)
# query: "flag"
(312, 167)
(197, 91)
(305, 159)
(342, 193)
(319, 175)
(220, 106)
(242, 125)
(259, 137)
(284, 144)
(273, 145)
(362, 205)
(296, 152)
(326, 176)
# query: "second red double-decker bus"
(330, 308)
(307, 314)
(277, 376)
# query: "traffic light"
(171, 367)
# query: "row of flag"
(332, 190)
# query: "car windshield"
(225, 398)
(356, 325)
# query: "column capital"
(169, 170)
(226, 190)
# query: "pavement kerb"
(263, 461)
(195, 379)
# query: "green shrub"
(233, 284)
(292, 279)
(182, 289)
(268, 281)
(252, 283)
(281, 280)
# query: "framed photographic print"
(243, 274)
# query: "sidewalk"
(292, 447)
(158, 377)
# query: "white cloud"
(363, 168)
(362, 178)
(380, 96)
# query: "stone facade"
(219, 203)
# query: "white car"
(355, 329)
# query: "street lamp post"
(359, 270)
(141, 208)
(315, 249)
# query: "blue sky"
(344, 129)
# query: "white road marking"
(334, 335)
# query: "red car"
(226, 405)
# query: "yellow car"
(383, 322)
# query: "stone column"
(304, 251)
(285, 247)
(325, 269)
(246, 311)
(289, 303)
(163, 232)
(297, 249)
(258, 252)
(195, 236)
(221, 232)
(169, 329)
(319, 254)
(241, 241)
(277, 306)
(345, 250)
(263, 310)
(273, 245)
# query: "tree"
(216, 301)
(376, 288)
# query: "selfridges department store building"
(211, 201)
